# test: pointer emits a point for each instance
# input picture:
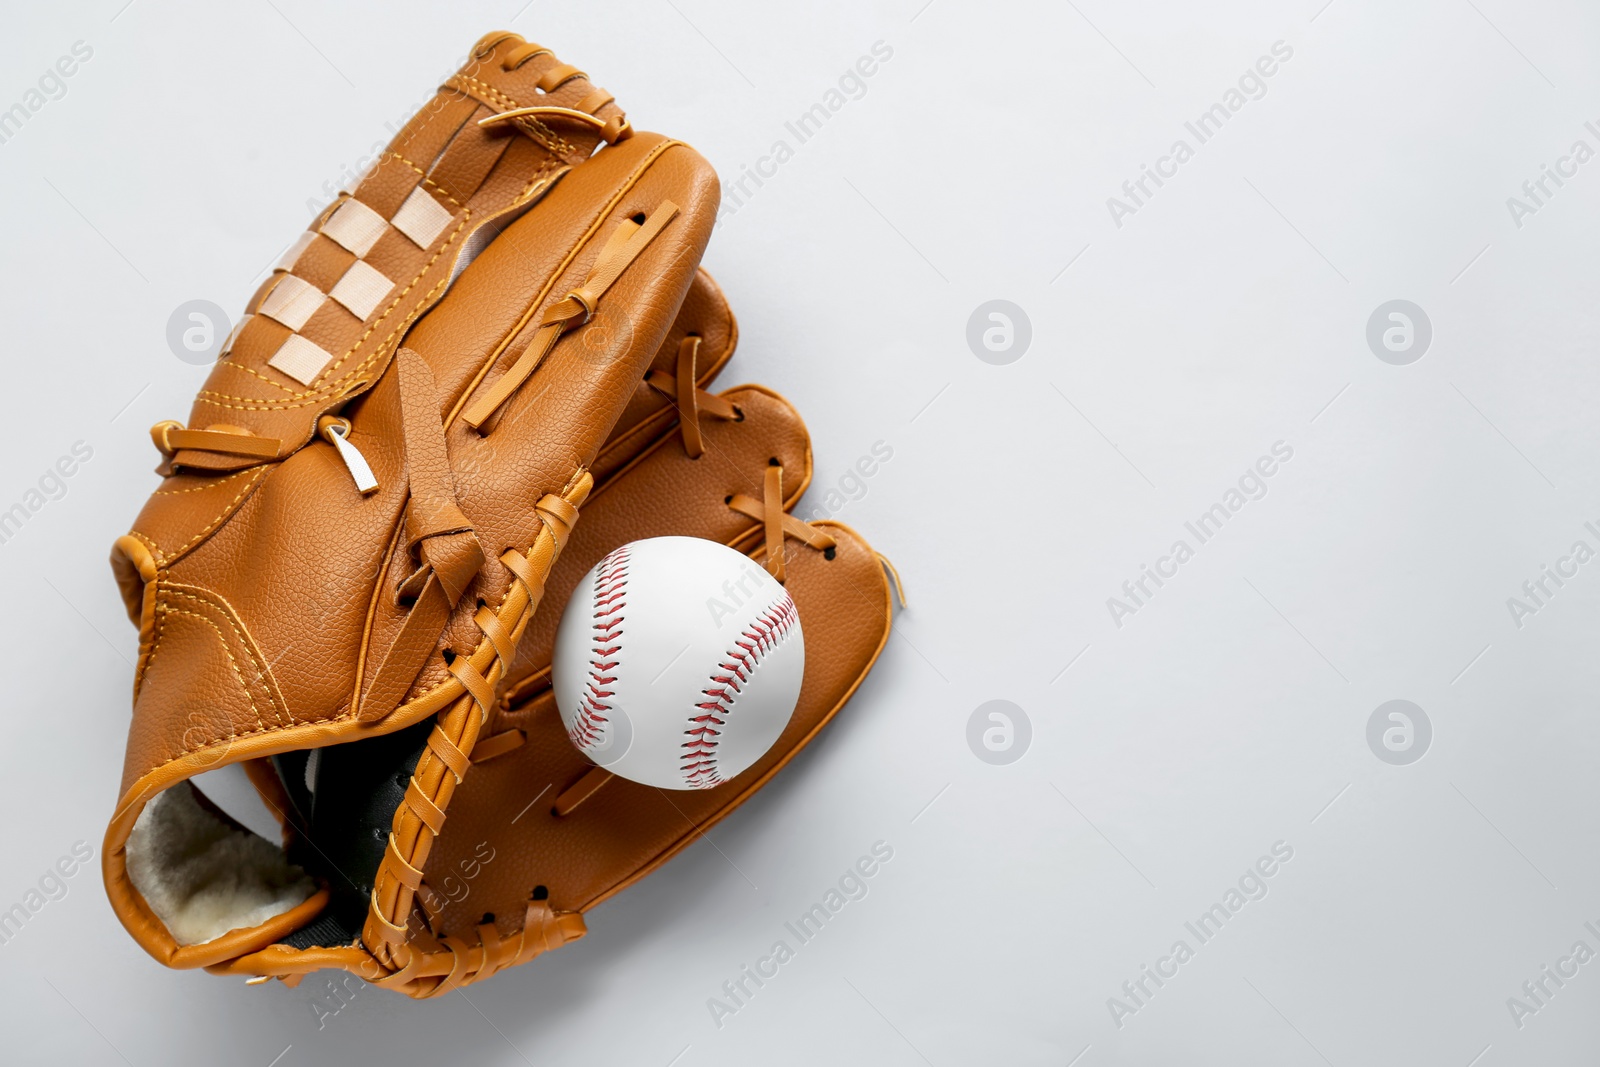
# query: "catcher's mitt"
(351, 577)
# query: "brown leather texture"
(270, 598)
(623, 830)
(228, 615)
(527, 394)
(534, 824)
(476, 177)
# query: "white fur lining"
(203, 877)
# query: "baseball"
(678, 662)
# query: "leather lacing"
(586, 111)
(399, 938)
(682, 389)
(692, 402)
(406, 951)
(170, 436)
(399, 947)
(627, 241)
(441, 537)
(400, 931)
(611, 131)
(401, 923)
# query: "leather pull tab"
(436, 529)
(435, 525)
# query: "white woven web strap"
(292, 301)
(300, 359)
(355, 226)
(421, 218)
(362, 289)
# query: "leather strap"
(497, 745)
(777, 524)
(772, 516)
(430, 813)
(421, 814)
(407, 874)
(581, 790)
(610, 131)
(498, 635)
(489, 938)
(436, 529)
(170, 436)
(476, 684)
(690, 399)
(624, 246)
(446, 751)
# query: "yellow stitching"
(255, 373)
(233, 737)
(544, 135)
(496, 97)
(538, 130)
(538, 176)
(425, 179)
(518, 630)
(232, 662)
(230, 738)
(330, 387)
(163, 558)
(156, 633)
(199, 488)
(150, 543)
(226, 611)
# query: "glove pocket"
(579, 834)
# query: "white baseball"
(677, 663)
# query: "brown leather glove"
(351, 577)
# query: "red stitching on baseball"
(769, 630)
(588, 729)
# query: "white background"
(1229, 713)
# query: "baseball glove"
(350, 579)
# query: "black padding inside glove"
(358, 787)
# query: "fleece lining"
(203, 877)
